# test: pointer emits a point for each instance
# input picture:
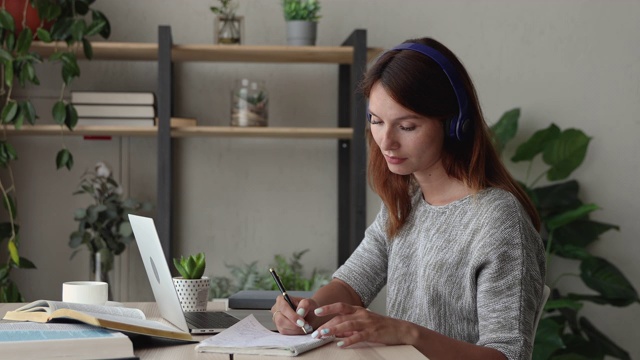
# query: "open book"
(110, 317)
(26, 341)
(248, 336)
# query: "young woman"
(456, 241)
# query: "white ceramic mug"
(85, 292)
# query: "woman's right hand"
(290, 322)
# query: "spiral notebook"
(249, 337)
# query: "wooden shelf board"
(215, 53)
(270, 132)
(189, 131)
(267, 54)
(105, 50)
(28, 130)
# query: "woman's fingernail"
(301, 312)
(315, 334)
(307, 328)
(324, 331)
(318, 311)
(300, 323)
(340, 343)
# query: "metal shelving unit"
(351, 58)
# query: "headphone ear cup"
(457, 129)
(463, 129)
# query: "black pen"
(276, 278)
(306, 328)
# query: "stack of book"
(101, 108)
(25, 341)
(92, 331)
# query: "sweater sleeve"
(510, 278)
(366, 269)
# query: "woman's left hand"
(355, 324)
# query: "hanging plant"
(68, 24)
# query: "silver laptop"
(165, 294)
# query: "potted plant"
(302, 21)
(71, 23)
(103, 226)
(567, 231)
(192, 287)
(227, 27)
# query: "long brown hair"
(419, 84)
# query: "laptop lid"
(158, 271)
(165, 293)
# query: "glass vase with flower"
(103, 226)
(227, 25)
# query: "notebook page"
(249, 336)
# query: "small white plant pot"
(192, 293)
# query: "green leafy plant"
(306, 10)
(226, 10)
(567, 231)
(258, 99)
(291, 273)
(191, 267)
(69, 23)
(103, 226)
(253, 277)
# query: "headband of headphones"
(459, 126)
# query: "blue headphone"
(458, 127)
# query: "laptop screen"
(157, 270)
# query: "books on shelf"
(133, 122)
(112, 98)
(248, 336)
(121, 109)
(115, 111)
(105, 108)
(117, 318)
(25, 341)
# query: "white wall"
(574, 63)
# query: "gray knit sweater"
(472, 270)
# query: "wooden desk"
(169, 351)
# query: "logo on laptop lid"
(155, 271)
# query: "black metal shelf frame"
(351, 214)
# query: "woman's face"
(410, 143)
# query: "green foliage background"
(255, 277)
(567, 230)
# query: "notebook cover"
(260, 299)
